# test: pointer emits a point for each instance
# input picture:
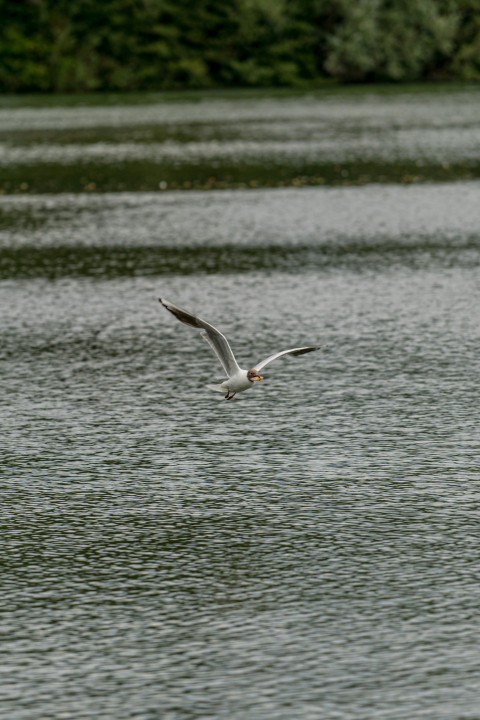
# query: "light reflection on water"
(443, 145)
(445, 215)
(426, 108)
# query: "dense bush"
(64, 46)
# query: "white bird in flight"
(238, 379)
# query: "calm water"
(307, 551)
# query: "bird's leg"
(229, 395)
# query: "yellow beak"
(258, 378)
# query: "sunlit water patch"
(417, 145)
(448, 214)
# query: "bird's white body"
(238, 379)
(236, 383)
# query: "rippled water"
(239, 141)
(309, 550)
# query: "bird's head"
(254, 376)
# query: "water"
(138, 143)
(308, 550)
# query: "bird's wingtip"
(167, 305)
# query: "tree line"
(123, 45)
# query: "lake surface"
(344, 137)
(309, 550)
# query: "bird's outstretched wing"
(293, 351)
(214, 337)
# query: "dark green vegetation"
(60, 46)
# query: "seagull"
(238, 380)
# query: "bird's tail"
(216, 388)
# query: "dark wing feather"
(214, 337)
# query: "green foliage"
(64, 46)
(402, 40)
(465, 63)
(354, 50)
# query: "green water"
(309, 550)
